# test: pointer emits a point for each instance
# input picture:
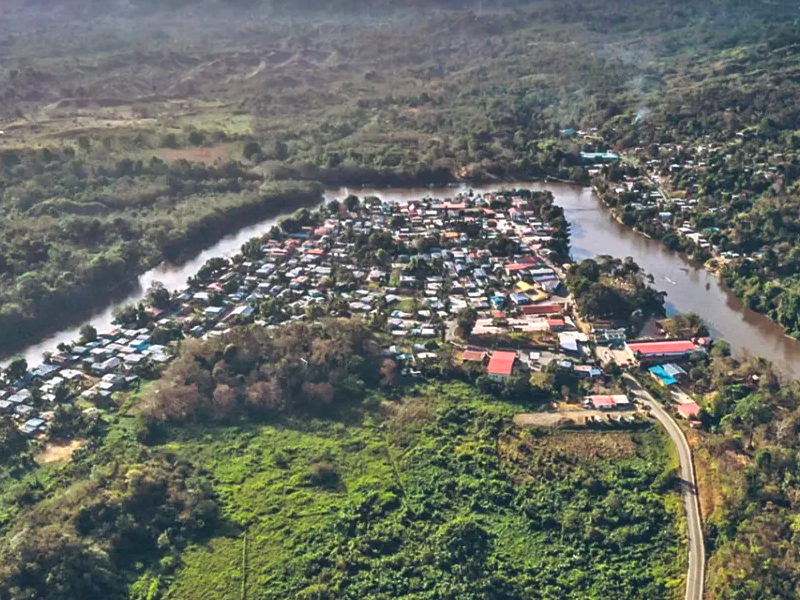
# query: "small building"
(689, 411)
(610, 337)
(661, 375)
(476, 356)
(608, 402)
(32, 426)
(501, 365)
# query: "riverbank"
(593, 232)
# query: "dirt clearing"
(207, 155)
(59, 452)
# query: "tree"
(158, 295)
(465, 321)
(16, 369)
(88, 334)
(197, 138)
(352, 203)
(281, 150)
(251, 149)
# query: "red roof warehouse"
(501, 364)
(665, 349)
(542, 309)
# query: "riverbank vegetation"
(610, 289)
(73, 233)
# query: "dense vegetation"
(612, 289)
(73, 233)
(747, 463)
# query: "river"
(171, 275)
(689, 288)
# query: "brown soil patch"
(207, 155)
(59, 452)
(406, 420)
(719, 471)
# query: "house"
(689, 411)
(610, 337)
(587, 372)
(608, 402)
(543, 309)
(501, 365)
(661, 375)
(32, 426)
(473, 356)
(106, 366)
(213, 311)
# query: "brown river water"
(689, 288)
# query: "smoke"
(641, 113)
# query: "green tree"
(88, 334)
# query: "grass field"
(362, 505)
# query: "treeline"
(75, 233)
(257, 372)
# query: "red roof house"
(542, 309)
(689, 411)
(501, 364)
(602, 402)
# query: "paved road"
(697, 549)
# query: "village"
(662, 191)
(481, 276)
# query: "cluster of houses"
(679, 169)
(91, 371)
(444, 256)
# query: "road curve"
(695, 578)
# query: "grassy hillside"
(432, 495)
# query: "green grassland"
(419, 499)
(433, 495)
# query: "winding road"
(695, 578)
